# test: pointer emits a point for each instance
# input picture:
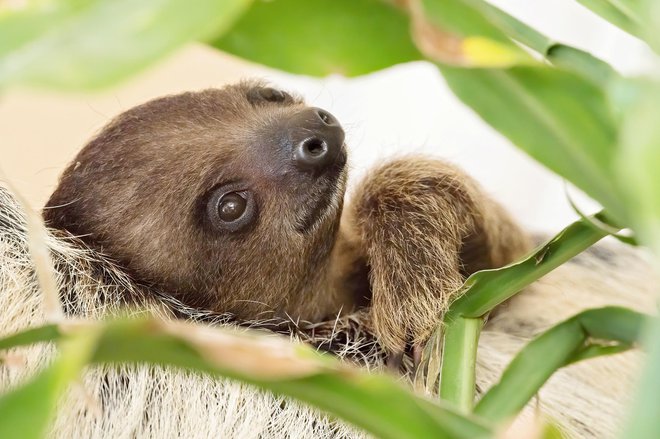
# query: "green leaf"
(31, 336)
(640, 18)
(560, 55)
(620, 13)
(320, 37)
(373, 402)
(467, 18)
(639, 157)
(581, 62)
(559, 346)
(26, 412)
(370, 401)
(559, 118)
(477, 17)
(644, 419)
(486, 289)
(638, 174)
(92, 43)
(512, 27)
(300, 36)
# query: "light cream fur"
(588, 399)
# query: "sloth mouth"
(323, 197)
(314, 215)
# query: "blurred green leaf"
(373, 402)
(513, 27)
(581, 62)
(320, 37)
(552, 431)
(559, 118)
(638, 173)
(555, 348)
(92, 43)
(640, 18)
(478, 17)
(300, 36)
(466, 18)
(26, 411)
(31, 336)
(621, 13)
(644, 421)
(560, 55)
(639, 157)
(370, 401)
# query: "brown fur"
(135, 193)
(415, 229)
(423, 226)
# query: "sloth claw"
(417, 351)
(394, 361)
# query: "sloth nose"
(316, 138)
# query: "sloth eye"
(230, 209)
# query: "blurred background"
(402, 110)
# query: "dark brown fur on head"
(139, 192)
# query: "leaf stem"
(457, 380)
(486, 289)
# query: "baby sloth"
(231, 200)
(229, 204)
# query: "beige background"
(40, 132)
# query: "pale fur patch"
(587, 399)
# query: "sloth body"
(228, 205)
(149, 190)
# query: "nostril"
(315, 139)
(312, 154)
(325, 117)
(314, 147)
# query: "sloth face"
(228, 199)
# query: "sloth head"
(227, 199)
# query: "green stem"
(486, 289)
(457, 379)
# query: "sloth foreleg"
(423, 226)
